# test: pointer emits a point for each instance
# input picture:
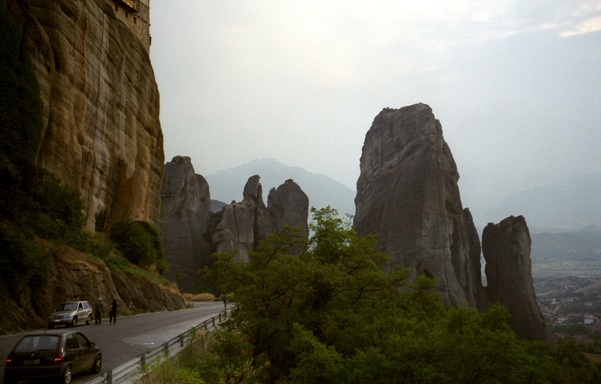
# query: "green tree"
(323, 310)
(140, 243)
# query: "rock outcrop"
(506, 247)
(243, 225)
(76, 276)
(193, 226)
(288, 205)
(185, 217)
(102, 134)
(407, 194)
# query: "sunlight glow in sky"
(515, 84)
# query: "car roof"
(73, 301)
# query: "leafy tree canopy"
(323, 310)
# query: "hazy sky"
(515, 84)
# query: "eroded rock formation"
(102, 134)
(243, 225)
(185, 216)
(407, 194)
(193, 226)
(506, 247)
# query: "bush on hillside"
(140, 243)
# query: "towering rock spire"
(407, 194)
(506, 247)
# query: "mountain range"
(569, 205)
(227, 185)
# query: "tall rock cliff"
(185, 216)
(407, 194)
(193, 226)
(102, 134)
(506, 247)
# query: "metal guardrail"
(135, 368)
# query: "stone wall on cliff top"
(102, 134)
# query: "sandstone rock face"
(407, 194)
(102, 134)
(243, 225)
(289, 205)
(506, 247)
(76, 276)
(185, 216)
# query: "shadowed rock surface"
(243, 225)
(407, 194)
(506, 247)
(101, 134)
(185, 216)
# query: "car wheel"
(89, 320)
(9, 380)
(67, 375)
(97, 364)
(50, 326)
(74, 321)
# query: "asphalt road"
(131, 335)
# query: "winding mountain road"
(131, 335)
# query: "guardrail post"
(181, 341)
(166, 349)
(143, 360)
(109, 377)
(213, 319)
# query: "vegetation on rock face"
(140, 243)
(330, 314)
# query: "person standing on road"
(113, 312)
(98, 311)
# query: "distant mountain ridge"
(558, 207)
(227, 185)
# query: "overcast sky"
(515, 84)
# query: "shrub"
(22, 262)
(140, 243)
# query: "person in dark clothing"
(98, 311)
(113, 312)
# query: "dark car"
(56, 356)
(71, 313)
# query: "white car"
(71, 313)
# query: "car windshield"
(67, 307)
(37, 342)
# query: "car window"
(72, 341)
(67, 307)
(83, 341)
(32, 343)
